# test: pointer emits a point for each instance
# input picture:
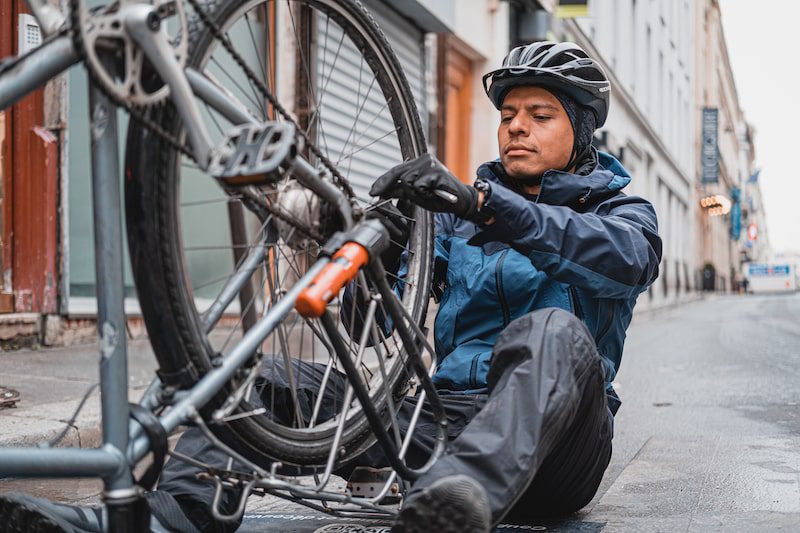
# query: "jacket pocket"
(473, 372)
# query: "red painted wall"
(30, 192)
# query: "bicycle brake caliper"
(255, 154)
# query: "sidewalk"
(51, 383)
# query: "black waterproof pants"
(539, 442)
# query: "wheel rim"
(282, 260)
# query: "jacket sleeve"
(613, 253)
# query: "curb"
(82, 436)
(650, 311)
(38, 424)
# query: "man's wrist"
(484, 213)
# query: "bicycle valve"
(343, 267)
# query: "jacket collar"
(567, 189)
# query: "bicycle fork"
(349, 254)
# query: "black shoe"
(453, 504)
(21, 513)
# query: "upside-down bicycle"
(233, 111)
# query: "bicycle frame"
(124, 441)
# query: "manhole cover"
(8, 397)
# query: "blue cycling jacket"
(581, 245)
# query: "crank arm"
(144, 26)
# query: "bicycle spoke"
(359, 109)
(386, 390)
(281, 334)
(225, 200)
(368, 127)
(214, 120)
(257, 51)
(236, 83)
(319, 104)
(362, 148)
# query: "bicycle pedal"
(367, 482)
(255, 154)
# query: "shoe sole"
(444, 508)
(19, 516)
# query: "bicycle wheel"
(188, 236)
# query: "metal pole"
(125, 504)
(60, 462)
(108, 269)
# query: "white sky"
(764, 47)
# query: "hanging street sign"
(709, 153)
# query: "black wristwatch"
(485, 213)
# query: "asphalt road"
(708, 436)
(707, 439)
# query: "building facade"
(756, 246)
(647, 48)
(667, 61)
(720, 186)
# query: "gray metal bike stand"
(120, 494)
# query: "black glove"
(396, 221)
(427, 183)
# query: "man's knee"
(550, 334)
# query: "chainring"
(98, 32)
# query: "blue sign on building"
(709, 152)
(763, 269)
(736, 214)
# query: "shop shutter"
(346, 87)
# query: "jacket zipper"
(498, 277)
(473, 372)
(576, 304)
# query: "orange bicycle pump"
(349, 253)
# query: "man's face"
(535, 134)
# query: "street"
(709, 431)
(707, 439)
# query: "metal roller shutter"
(346, 124)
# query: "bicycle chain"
(139, 113)
(265, 92)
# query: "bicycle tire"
(153, 225)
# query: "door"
(458, 117)
(29, 165)
(455, 78)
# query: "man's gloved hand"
(396, 221)
(427, 182)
